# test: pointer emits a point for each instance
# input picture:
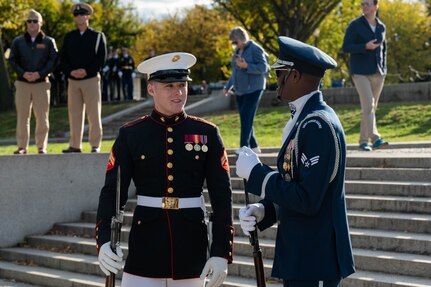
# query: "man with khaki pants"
(33, 56)
(82, 56)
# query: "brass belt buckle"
(170, 202)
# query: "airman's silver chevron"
(309, 162)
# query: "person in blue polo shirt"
(305, 195)
(365, 40)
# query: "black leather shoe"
(20, 151)
(41, 151)
(71, 150)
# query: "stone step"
(377, 279)
(393, 187)
(422, 161)
(65, 261)
(51, 277)
(401, 242)
(362, 237)
(48, 277)
(389, 174)
(379, 174)
(403, 204)
(390, 221)
(14, 283)
(389, 158)
(417, 223)
(393, 263)
(388, 188)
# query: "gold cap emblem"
(176, 58)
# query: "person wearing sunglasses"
(305, 194)
(365, 41)
(82, 56)
(33, 56)
(248, 81)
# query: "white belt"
(170, 202)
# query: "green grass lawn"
(397, 122)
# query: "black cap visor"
(171, 76)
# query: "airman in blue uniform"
(305, 195)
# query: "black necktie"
(292, 109)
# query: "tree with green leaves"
(204, 32)
(265, 20)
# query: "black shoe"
(95, 149)
(71, 150)
(41, 151)
(20, 151)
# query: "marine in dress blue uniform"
(305, 195)
(169, 157)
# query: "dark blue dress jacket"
(306, 197)
(362, 61)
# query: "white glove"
(247, 159)
(133, 75)
(105, 69)
(218, 266)
(120, 74)
(108, 260)
(250, 215)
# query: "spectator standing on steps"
(248, 80)
(365, 40)
(33, 56)
(82, 57)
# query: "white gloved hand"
(120, 74)
(218, 266)
(250, 215)
(133, 75)
(108, 260)
(247, 159)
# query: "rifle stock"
(116, 223)
(257, 252)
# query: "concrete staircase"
(389, 210)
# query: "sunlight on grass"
(397, 122)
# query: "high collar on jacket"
(168, 120)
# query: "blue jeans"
(326, 283)
(247, 107)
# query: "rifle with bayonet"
(257, 252)
(116, 223)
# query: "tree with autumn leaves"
(204, 31)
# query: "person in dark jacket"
(33, 56)
(82, 56)
(127, 70)
(169, 155)
(305, 195)
(365, 40)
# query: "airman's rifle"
(257, 252)
(116, 223)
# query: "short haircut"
(239, 34)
